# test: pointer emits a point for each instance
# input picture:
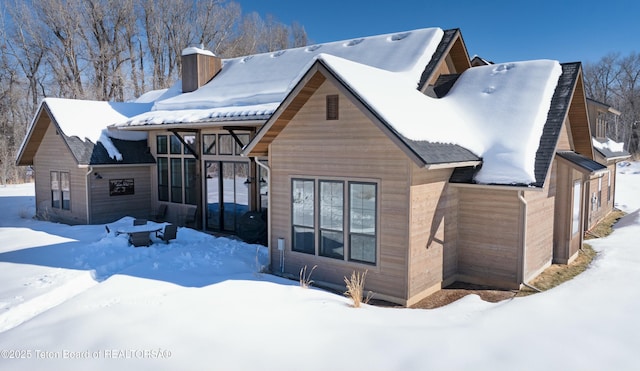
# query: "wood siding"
(350, 148)
(432, 232)
(579, 122)
(489, 235)
(540, 224)
(106, 208)
(54, 155)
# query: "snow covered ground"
(74, 297)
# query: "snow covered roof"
(609, 148)
(85, 125)
(252, 87)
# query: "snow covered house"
(387, 153)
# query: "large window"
(177, 180)
(335, 219)
(60, 190)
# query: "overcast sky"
(500, 31)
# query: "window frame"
(348, 235)
(60, 194)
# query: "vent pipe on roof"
(199, 66)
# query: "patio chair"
(190, 217)
(160, 213)
(169, 233)
(139, 239)
(139, 221)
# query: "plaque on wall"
(121, 187)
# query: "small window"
(161, 144)
(190, 140)
(209, 144)
(226, 143)
(332, 107)
(175, 146)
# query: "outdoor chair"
(139, 221)
(139, 239)
(160, 213)
(169, 233)
(190, 217)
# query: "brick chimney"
(199, 66)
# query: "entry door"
(227, 194)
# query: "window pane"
(362, 248)
(331, 219)
(303, 240)
(66, 200)
(55, 189)
(331, 205)
(190, 139)
(65, 187)
(226, 144)
(362, 222)
(176, 146)
(55, 199)
(303, 203)
(190, 193)
(163, 179)
(161, 144)
(209, 144)
(64, 181)
(55, 181)
(363, 208)
(332, 244)
(176, 180)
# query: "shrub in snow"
(355, 288)
(305, 280)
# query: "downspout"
(268, 169)
(523, 241)
(87, 192)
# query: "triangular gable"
(83, 150)
(36, 132)
(451, 50)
